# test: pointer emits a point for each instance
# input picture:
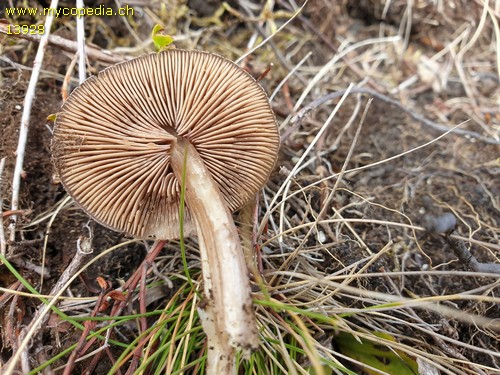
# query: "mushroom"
(126, 140)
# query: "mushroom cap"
(112, 138)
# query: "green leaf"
(376, 355)
(161, 40)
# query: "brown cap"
(112, 138)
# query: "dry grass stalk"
(25, 120)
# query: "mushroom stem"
(227, 314)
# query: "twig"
(300, 116)
(290, 73)
(41, 315)
(80, 37)
(129, 288)
(12, 329)
(311, 26)
(463, 254)
(23, 262)
(23, 132)
(261, 31)
(68, 78)
(326, 68)
(8, 293)
(88, 326)
(3, 243)
(16, 212)
(9, 368)
(327, 203)
(286, 184)
(272, 35)
(328, 43)
(435, 336)
(307, 151)
(458, 58)
(84, 248)
(70, 46)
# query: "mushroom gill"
(112, 138)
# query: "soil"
(456, 174)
